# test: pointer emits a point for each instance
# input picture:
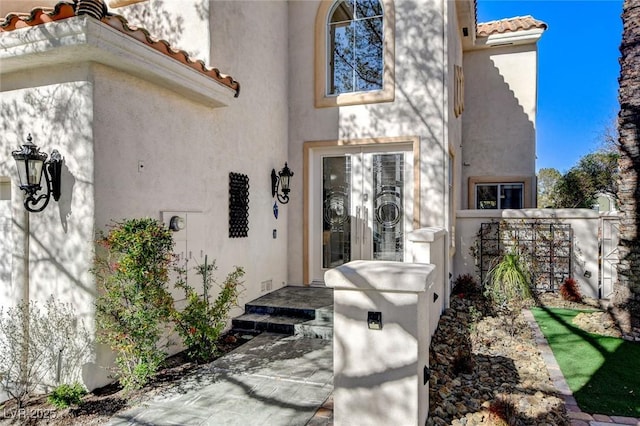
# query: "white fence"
(594, 243)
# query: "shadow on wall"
(417, 111)
(387, 367)
(495, 117)
(56, 112)
(67, 184)
(419, 97)
(161, 24)
(419, 73)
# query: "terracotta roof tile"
(519, 23)
(37, 16)
(64, 10)
(120, 23)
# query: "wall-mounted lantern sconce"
(281, 180)
(176, 223)
(32, 164)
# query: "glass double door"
(366, 207)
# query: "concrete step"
(316, 329)
(257, 323)
(294, 312)
(319, 328)
(301, 311)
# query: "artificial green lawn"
(602, 372)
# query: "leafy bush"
(466, 284)
(65, 395)
(134, 305)
(570, 291)
(509, 281)
(201, 323)
(39, 347)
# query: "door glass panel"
(336, 209)
(388, 215)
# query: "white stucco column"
(431, 245)
(381, 342)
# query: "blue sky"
(577, 73)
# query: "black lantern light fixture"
(281, 179)
(32, 164)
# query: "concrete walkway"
(270, 380)
(288, 380)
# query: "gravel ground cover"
(487, 370)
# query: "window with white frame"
(500, 195)
(355, 47)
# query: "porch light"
(281, 179)
(176, 223)
(32, 164)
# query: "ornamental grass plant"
(509, 282)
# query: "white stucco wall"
(418, 108)
(454, 124)
(108, 121)
(188, 149)
(584, 224)
(96, 115)
(183, 23)
(498, 131)
(55, 105)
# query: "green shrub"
(134, 305)
(40, 345)
(509, 281)
(65, 395)
(201, 323)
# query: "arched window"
(354, 52)
(355, 44)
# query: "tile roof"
(64, 10)
(519, 23)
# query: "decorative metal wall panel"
(238, 205)
(547, 246)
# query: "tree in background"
(547, 180)
(595, 174)
(627, 288)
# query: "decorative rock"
(506, 363)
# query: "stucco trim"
(507, 39)
(308, 150)
(387, 94)
(83, 39)
(527, 181)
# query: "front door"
(363, 206)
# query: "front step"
(305, 311)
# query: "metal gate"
(609, 234)
(547, 246)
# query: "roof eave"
(84, 39)
(510, 38)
